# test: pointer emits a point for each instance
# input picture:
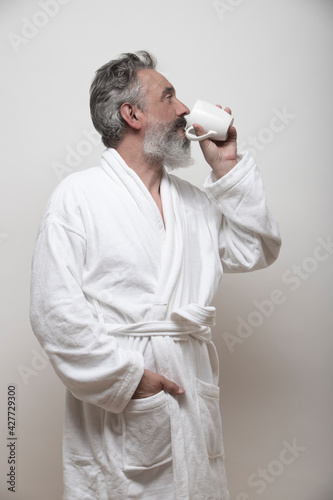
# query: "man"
(126, 264)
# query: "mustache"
(180, 122)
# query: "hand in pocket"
(151, 383)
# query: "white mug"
(215, 121)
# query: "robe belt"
(191, 320)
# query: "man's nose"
(182, 109)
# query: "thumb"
(172, 387)
(198, 129)
(205, 144)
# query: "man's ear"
(131, 114)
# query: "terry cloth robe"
(115, 291)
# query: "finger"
(198, 129)
(219, 106)
(172, 387)
(228, 110)
(232, 133)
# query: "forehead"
(154, 82)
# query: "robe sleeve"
(249, 236)
(87, 359)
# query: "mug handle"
(193, 137)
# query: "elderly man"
(127, 261)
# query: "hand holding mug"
(220, 154)
(213, 119)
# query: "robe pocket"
(211, 424)
(146, 433)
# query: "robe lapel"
(173, 249)
(171, 236)
(121, 173)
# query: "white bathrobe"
(115, 291)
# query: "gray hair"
(115, 83)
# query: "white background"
(261, 58)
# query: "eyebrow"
(166, 91)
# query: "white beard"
(163, 144)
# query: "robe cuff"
(130, 383)
(215, 187)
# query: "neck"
(151, 174)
